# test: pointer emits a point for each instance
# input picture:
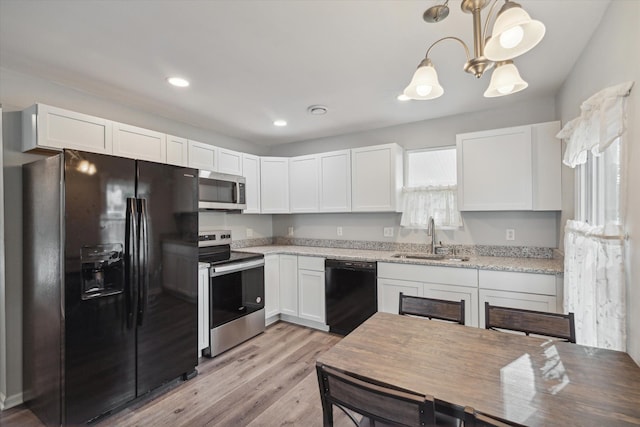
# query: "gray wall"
(486, 228)
(611, 58)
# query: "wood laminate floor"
(269, 380)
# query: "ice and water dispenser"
(102, 270)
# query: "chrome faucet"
(431, 231)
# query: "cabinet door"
(138, 143)
(47, 127)
(274, 184)
(203, 156)
(311, 304)
(251, 173)
(456, 293)
(289, 285)
(203, 309)
(335, 181)
(516, 300)
(495, 170)
(229, 161)
(271, 285)
(376, 179)
(177, 151)
(547, 167)
(303, 184)
(389, 293)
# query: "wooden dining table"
(529, 380)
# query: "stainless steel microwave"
(220, 191)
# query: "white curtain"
(601, 121)
(594, 285)
(440, 202)
(594, 270)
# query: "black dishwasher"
(350, 294)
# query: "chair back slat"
(432, 308)
(374, 401)
(555, 325)
(472, 418)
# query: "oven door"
(235, 290)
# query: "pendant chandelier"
(514, 33)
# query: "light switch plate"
(387, 231)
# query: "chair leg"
(327, 408)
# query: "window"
(431, 189)
(431, 167)
(598, 188)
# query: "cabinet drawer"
(542, 284)
(427, 273)
(310, 263)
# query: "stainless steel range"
(236, 292)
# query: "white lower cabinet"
(518, 290)
(294, 290)
(289, 285)
(389, 293)
(271, 287)
(447, 283)
(203, 307)
(311, 297)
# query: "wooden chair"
(555, 325)
(376, 402)
(452, 311)
(472, 418)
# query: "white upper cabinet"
(177, 151)
(304, 181)
(203, 156)
(229, 161)
(510, 169)
(376, 178)
(138, 143)
(251, 173)
(335, 181)
(46, 127)
(274, 184)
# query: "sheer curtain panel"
(440, 202)
(594, 270)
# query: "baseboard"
(271, 320)
(7, 402)
(304, 322)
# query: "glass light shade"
(505, 80)
(424, 84)
(514, 33)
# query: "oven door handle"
(232, 268)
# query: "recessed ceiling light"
(178, 81)
(317, 110)
(403, 97)
(280, 123)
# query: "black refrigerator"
(110, 282)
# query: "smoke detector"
(317, 110)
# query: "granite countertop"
(524, 265)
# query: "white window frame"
(407, 171)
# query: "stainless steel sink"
(436, 257)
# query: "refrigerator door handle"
(131, 260)
(143, 288)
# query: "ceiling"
(251, 62)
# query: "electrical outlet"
(511, 234)
(249, 232)
(387, 231)
(339, 231)
(290, 231)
